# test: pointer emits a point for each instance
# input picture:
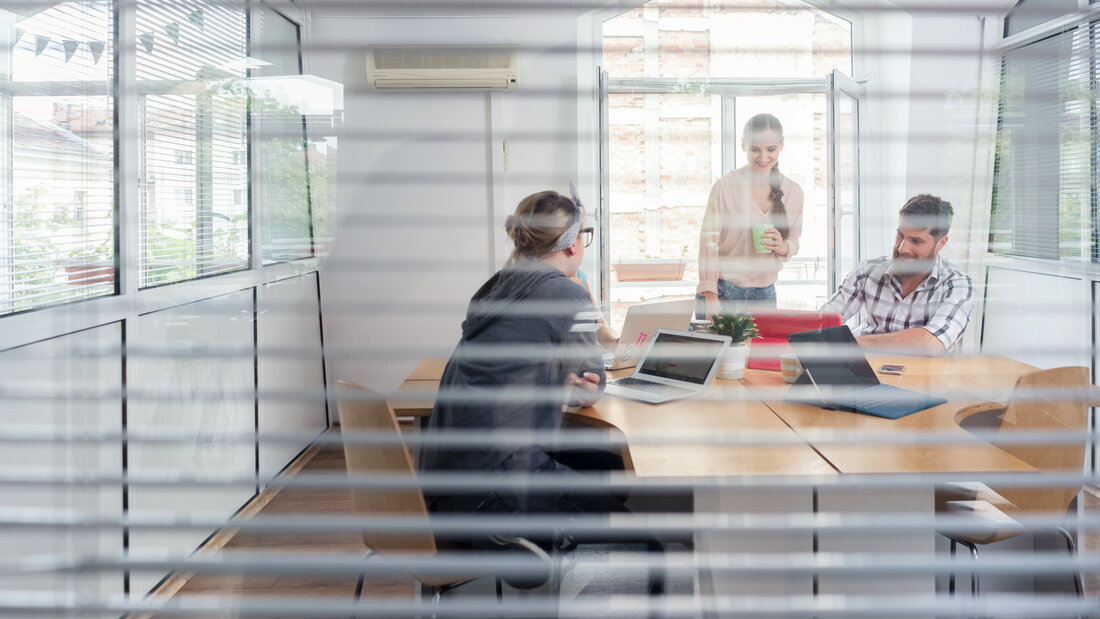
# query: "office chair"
(1044, 401)
(364, 411)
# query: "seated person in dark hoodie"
(528, 347)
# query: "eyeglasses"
(589, 234)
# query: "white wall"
(885, 127)
(423, 185)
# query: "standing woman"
(733, 275)
(528, 347)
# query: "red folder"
(774, 327)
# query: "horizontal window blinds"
(193, 140)
(58, 119)
(1042, 198)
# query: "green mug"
(758, 238)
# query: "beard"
(912, 265)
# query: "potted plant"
(652, 268)
(740, 328)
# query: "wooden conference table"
(744, 429)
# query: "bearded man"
(912, 302)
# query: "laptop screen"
(833, 357)
(681, 357)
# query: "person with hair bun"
(733, 275)
(528, 348)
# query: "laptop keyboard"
(652, 387)
(875, 396)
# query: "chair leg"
(951, 576)
(1071, 548)
(362, 577)
(974, 588)
(656, 575)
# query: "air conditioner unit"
(474, 67)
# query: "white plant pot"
(732, 365)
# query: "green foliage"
(739, 327)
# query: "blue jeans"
(735, 299)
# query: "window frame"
(1086, 266)
(129, 299)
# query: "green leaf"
(739, 327)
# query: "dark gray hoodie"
(526, 329)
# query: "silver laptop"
(677, 364)
(642, 321)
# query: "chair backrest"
(364, 411)
(1047, 401)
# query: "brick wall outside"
(683, 53)
(685, 154)
(622, 100)
(624, 56)
(832, 48)
(679, 227)
(626, 150)
(627, 235)
(679, 8)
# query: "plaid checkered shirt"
(941, 303)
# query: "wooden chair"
(1044, 401)
(364, 411)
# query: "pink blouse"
(725, 241)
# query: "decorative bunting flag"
(18, 35)
(70, 48)
(147, 41)
(173, 31)
(96, 47)
(40, 43)
(197, 19)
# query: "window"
(1030, 13)
(1044, 194)
(667, 147)
(185, 197)
(191, 59)
(56, 115)
(239, 196)
(284, 188)
(240, 157)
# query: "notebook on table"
(642, 321)
(836, 375)
(676, 364)
(775, 325)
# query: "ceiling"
(566, 8)
(464, 8)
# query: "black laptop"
(836, 375)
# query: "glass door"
(844, 96)
(664, 144)
(803, 279)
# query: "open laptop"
(677, 364)
(836, 375)
(775, 325)
(642, 321)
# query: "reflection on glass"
(284, 181)
(59, 130)
(192, 135)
